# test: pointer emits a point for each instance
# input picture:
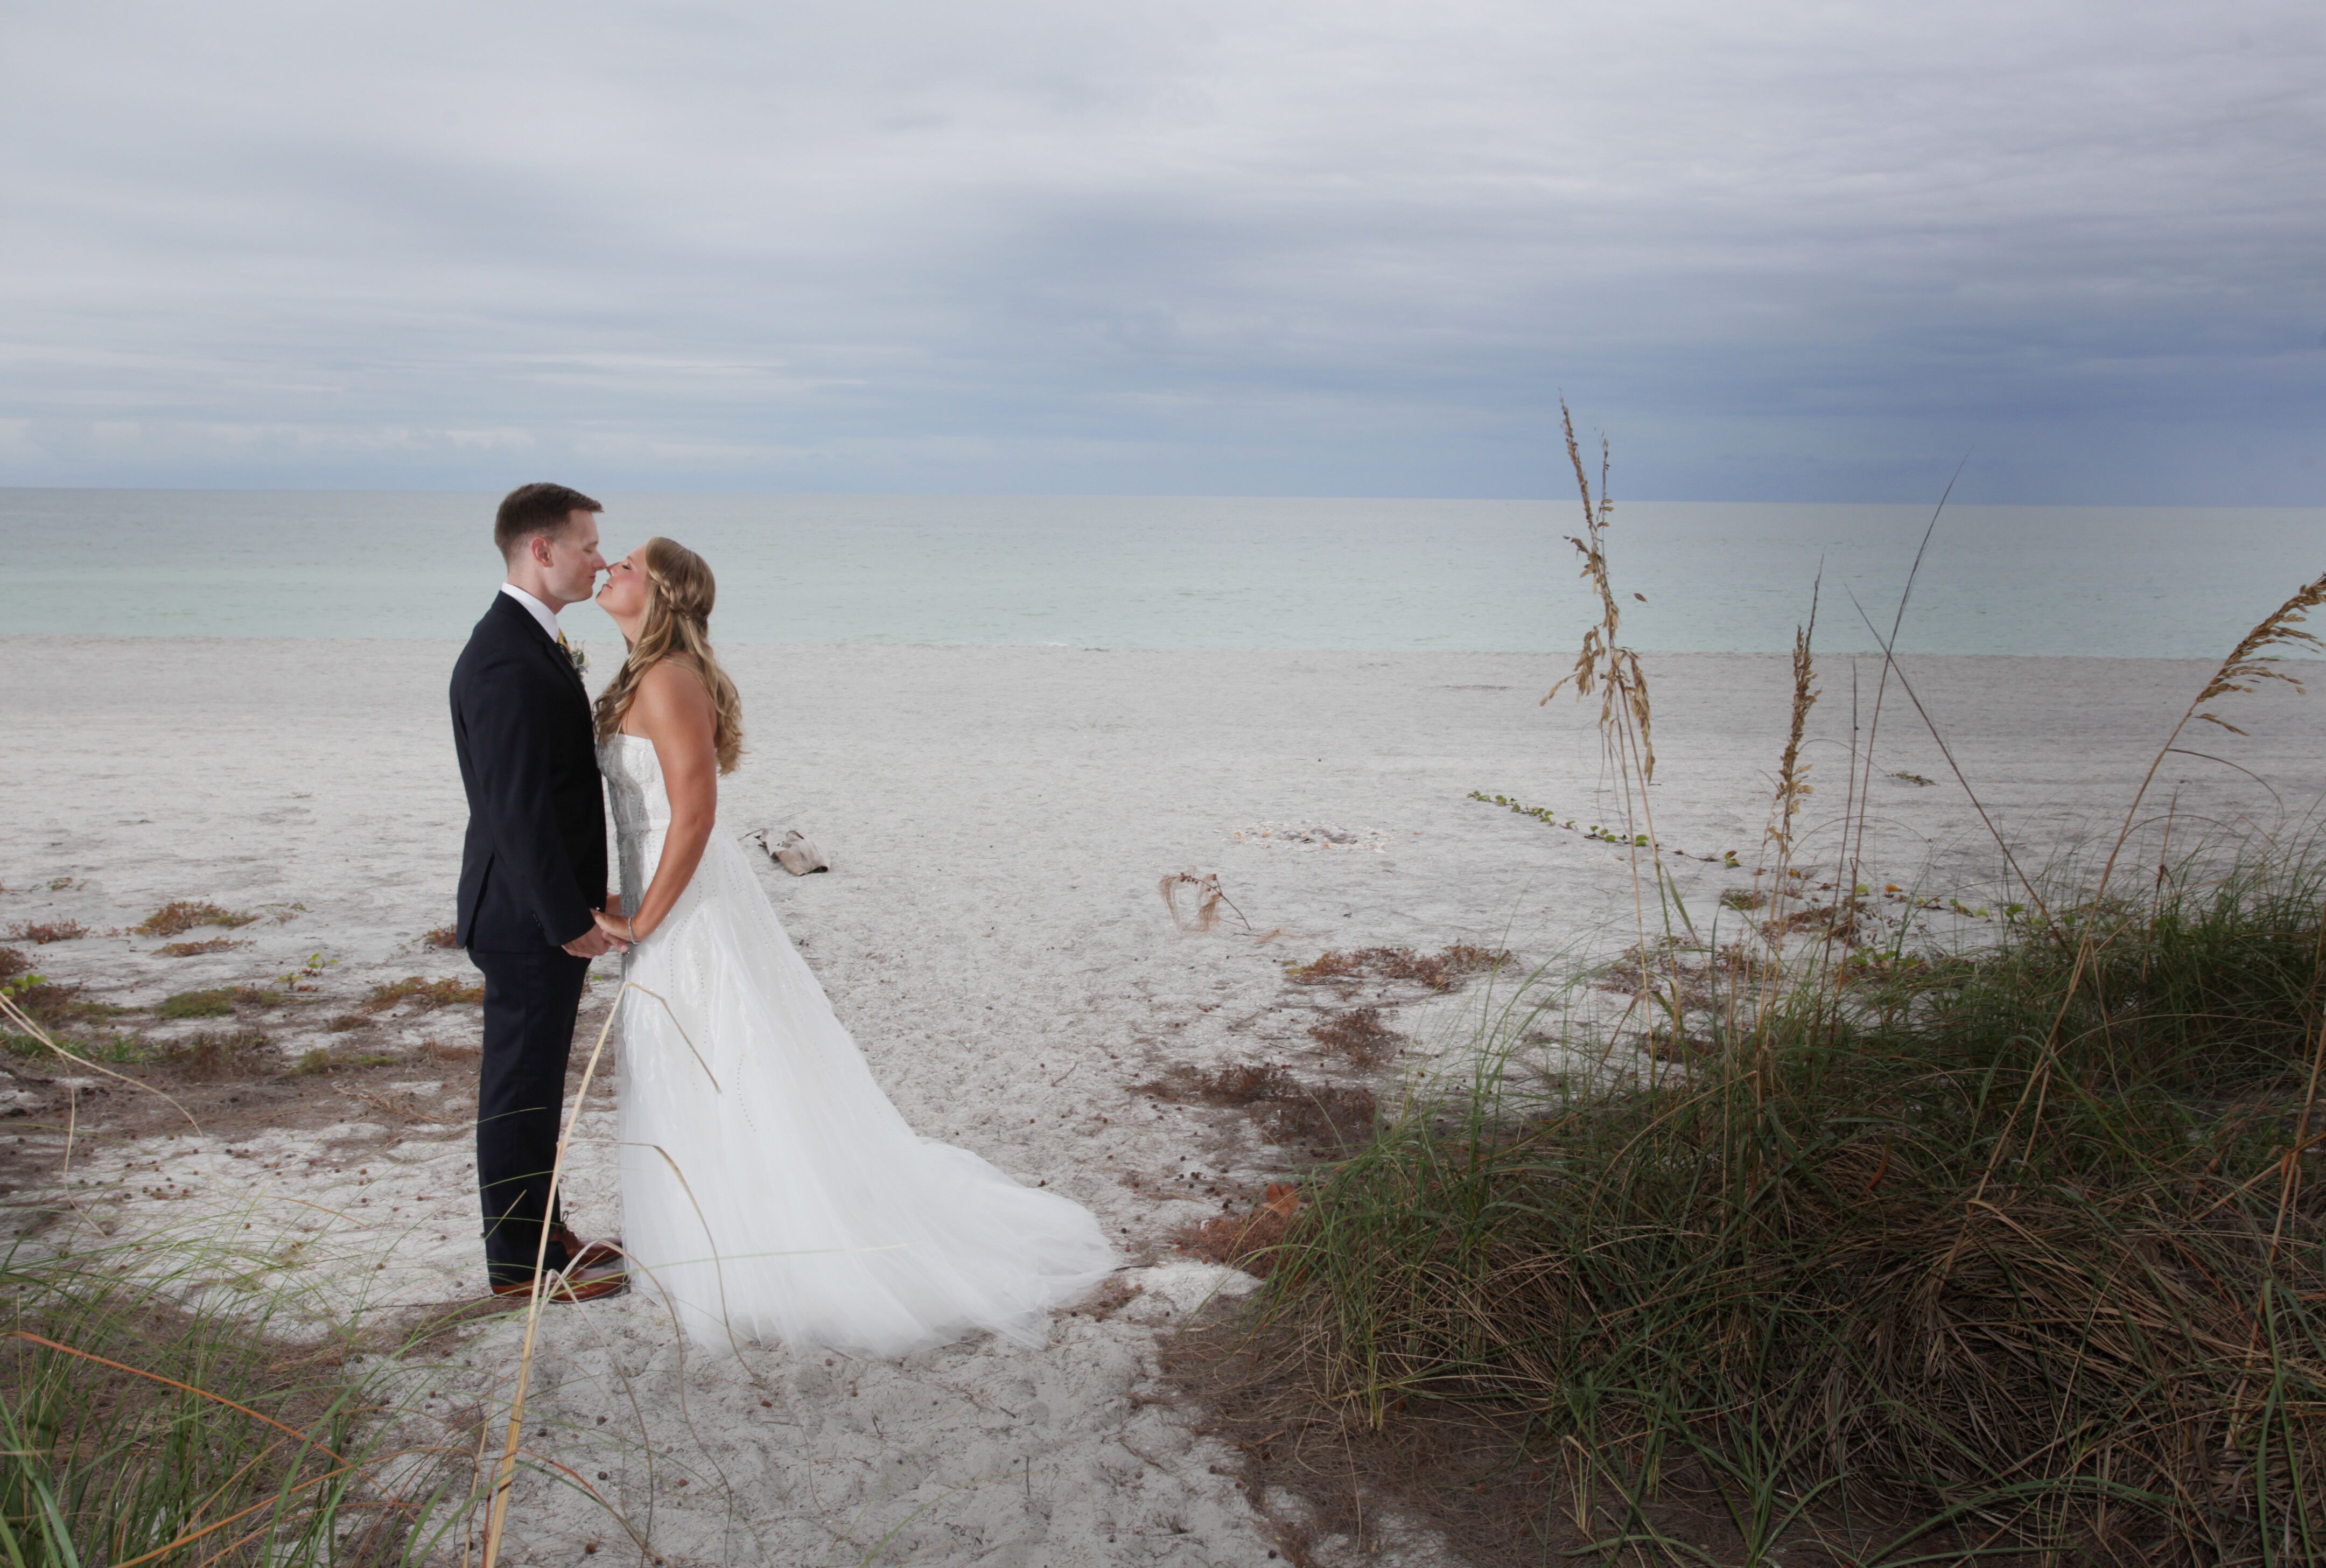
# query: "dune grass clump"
(172, 1397)
(48, 1001)
(323, 1059)
(442, 936)
(175, 920)
(140, 1421)
(123, 1046)
(1848, 1262)
(220, 1053)
(2013, 1250)
(213, 1003)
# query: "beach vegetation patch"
(42, 933)
(1899, 1285)
(45, 1001)
(1599, 833)
(219, 1054)
(196, 949)
(212, 1004)
(13, 963)
(146, 1415)
(1904, 1251)
(442, 936)
(323, 1059)
(1357, 1033)
(121, 1046)
(1440, 971)
(175, 920)
(1326, 1118)
(1249, 1240)
(427, 993)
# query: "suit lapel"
(565, 662)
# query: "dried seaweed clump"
(1358, 1034)
(1329, 1118)
(175, 920)
(41, 934)
(1245, 1241)
(1239, 1082)
(1435, 971)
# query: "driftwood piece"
(794, 851)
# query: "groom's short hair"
(536, 508)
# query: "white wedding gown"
(769, 1190)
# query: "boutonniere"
(581, 659)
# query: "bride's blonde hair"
(680, 591)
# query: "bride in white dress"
(769, 1190)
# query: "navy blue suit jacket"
(534, 861)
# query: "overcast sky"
(1776, 251)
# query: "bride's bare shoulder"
(672, 689)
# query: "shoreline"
(1553, 660)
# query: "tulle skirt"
(770, 1191)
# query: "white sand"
(997, 819)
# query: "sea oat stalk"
(1604, 665)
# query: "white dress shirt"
(537, 609)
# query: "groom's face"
(569, 558)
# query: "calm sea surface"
(1183, 573)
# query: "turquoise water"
(1221, 573)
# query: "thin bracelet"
(630, 924)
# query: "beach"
(999, 820)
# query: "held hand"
(595, 941)
(615, 929)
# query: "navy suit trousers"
(530, 1001)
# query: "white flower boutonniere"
(581, 659)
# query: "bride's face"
(624, 596)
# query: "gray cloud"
(1783, 251)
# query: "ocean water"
(1202, 573)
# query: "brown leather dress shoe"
(573, 1285)
(583, 1256)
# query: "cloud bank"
(1785, 251)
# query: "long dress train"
(769, 1186)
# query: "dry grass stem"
(1203, 889)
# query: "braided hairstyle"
(680, 591)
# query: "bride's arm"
(673, 711)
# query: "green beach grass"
(1881, 1251)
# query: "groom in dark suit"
(532, 869)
